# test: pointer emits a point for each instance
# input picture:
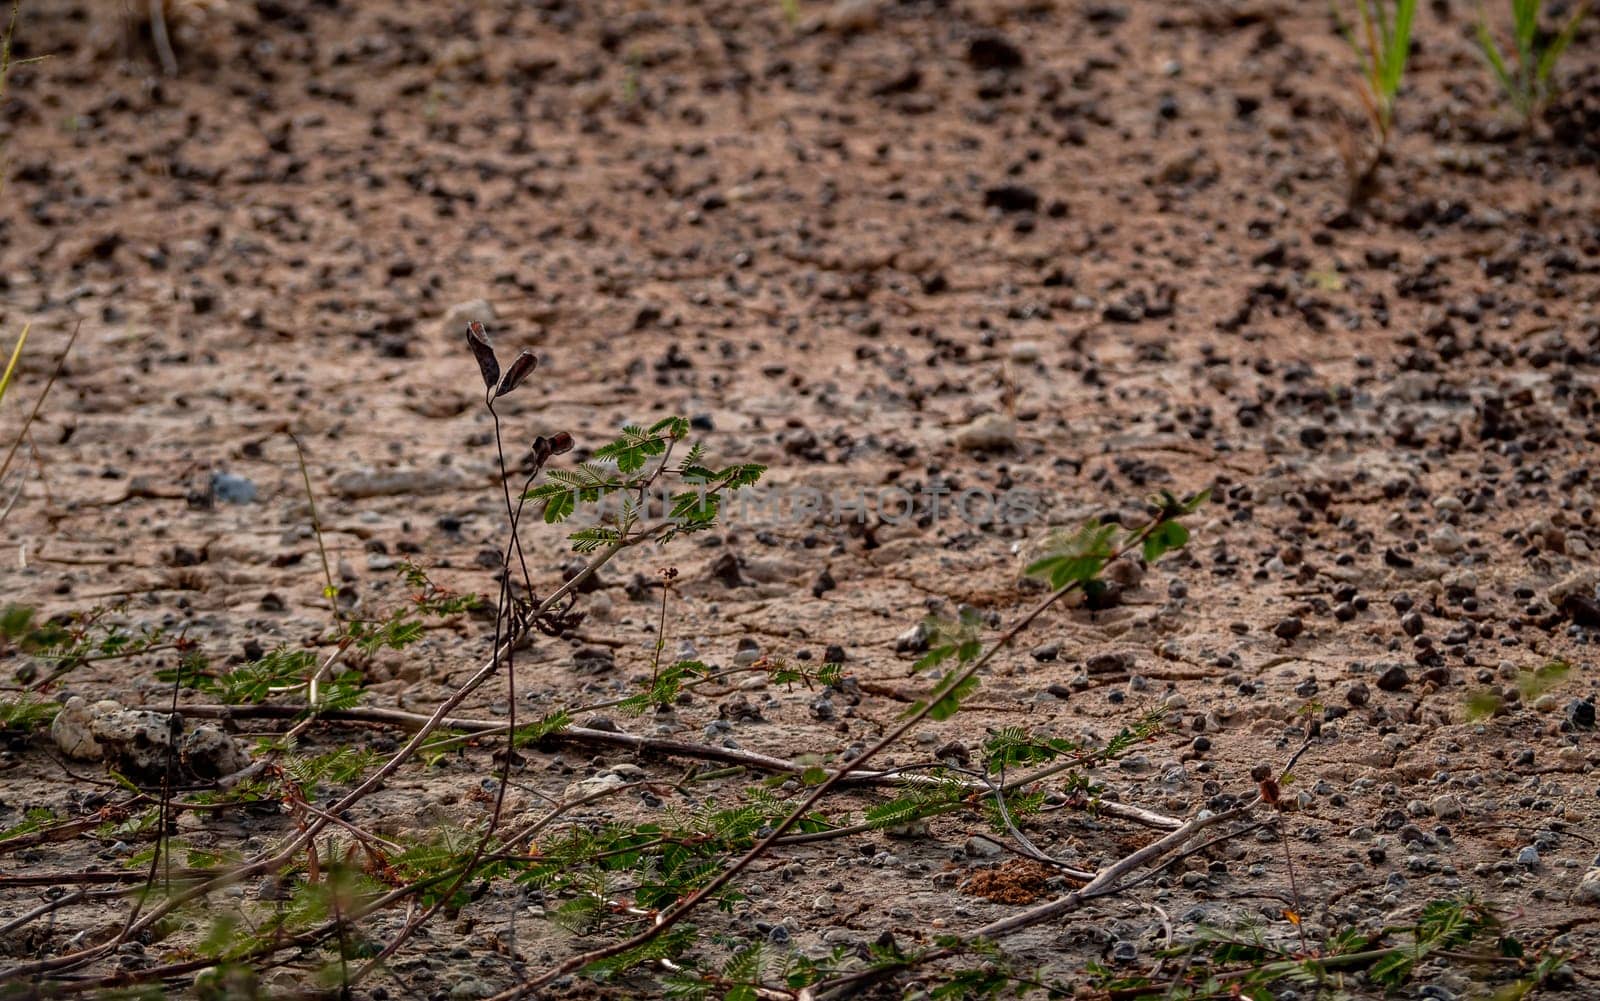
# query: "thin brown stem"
(330, 590)
(38, 404)
(1294, 889)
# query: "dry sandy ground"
(1116, 229)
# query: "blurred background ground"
(1087, 249)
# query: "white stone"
(851, 16)
(1446, 540)
(1583, 582)
(71, 733)
(355, 484)
(1025, 352)
(1588, 891)
(144, 743)
(594, 786)
(458, 316)
(987, 433)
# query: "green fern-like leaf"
(1078, 558)
(589, 540)
(553, 723)
(578, 915)
(745, 966)
(26, 713)
(668, 945)
(947, 696)
(671, 427)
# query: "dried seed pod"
(526, 362)
(561, 442)
(488, 364)
(1265, 783)
(540, 449)
(1270, 792)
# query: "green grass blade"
(1348, 30)
(1497, 62)
(1525, 22)
(1558, 45)
(11, 366)
(5, 46)
(1399, 44)
(1372, 55)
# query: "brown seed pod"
(525, 363)
(488, 364)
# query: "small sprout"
(1381, 41)
(1530, 83)
(1382, 44)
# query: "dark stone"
(1012, 198)
(953, 750)
(1581, 610)
(726, 569)
(1581, 713)
(594, 658)
(739, 709)
(1394, 679)
(1110, 663)
(993, 51)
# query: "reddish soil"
(838, 241)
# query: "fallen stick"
(652, 745)
(1108, 880)
(1105, 882)
(566, 735)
